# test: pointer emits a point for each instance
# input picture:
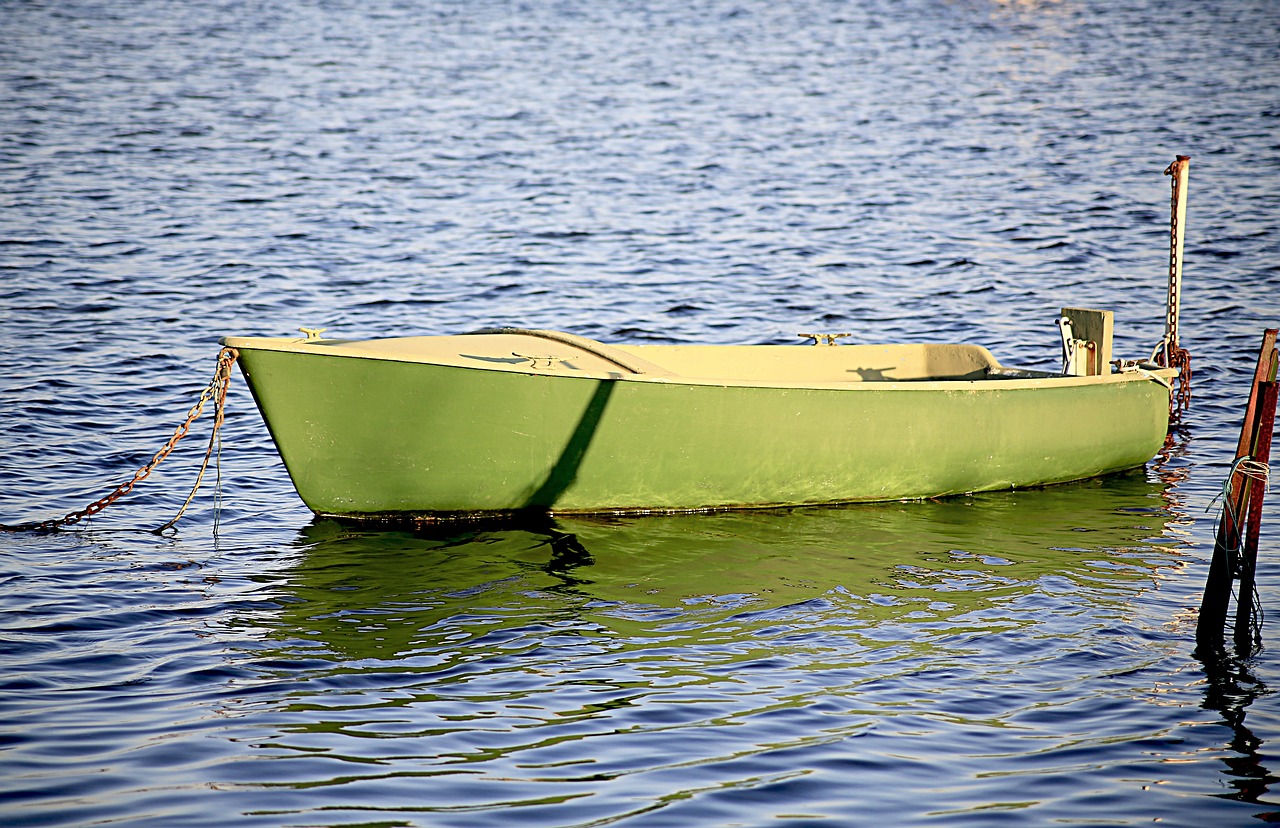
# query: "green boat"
(508, 421)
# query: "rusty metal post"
(1260, 453)
(1226, 548)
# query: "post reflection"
(1230, 685)
(1230, 689)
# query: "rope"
(1245, 466)
(1127, 368)
(1237, 563)
(1256, 470)
(1261, 472)
(216, 390)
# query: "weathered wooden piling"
(1235, 546)
(1253, 520)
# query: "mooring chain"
(1171, 313)
(216, 390)
(1181, 359)
(1169, 352)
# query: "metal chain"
(1171, 317)
(1169, 352)
(216, 390)
(1180, 358)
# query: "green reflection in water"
(632, 662)
(879, 574)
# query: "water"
(653, 171)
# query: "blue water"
(651, 171)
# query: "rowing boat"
(507, 421)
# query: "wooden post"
(1261, 453)
(1227, 546)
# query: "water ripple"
(648, 172)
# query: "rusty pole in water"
(1234, 556)
(1261, 454)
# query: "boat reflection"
(875, 570)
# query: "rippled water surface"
(708, 171)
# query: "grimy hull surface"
(374, 438)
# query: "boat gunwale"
(1140, 372)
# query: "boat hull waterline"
(477, 425)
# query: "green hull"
(374, 434)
